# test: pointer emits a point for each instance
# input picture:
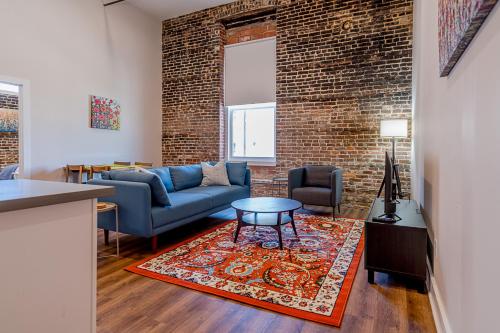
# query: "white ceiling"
(165, 9)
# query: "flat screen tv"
(389, 197)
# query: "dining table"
(87, 168)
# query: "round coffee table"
(267, 212)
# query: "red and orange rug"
(311, 278)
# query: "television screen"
(389, 205)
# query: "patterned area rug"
(310, 278)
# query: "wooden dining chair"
(72, 168)
(144, 164)
(98, 169)
(122, 163)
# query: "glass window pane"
(252, 131)
(9, 87)
(259, 133)
(238, 133)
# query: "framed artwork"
(9, 121)
(459, 21)
(104, 113)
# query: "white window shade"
(397, 128)
(250, 72)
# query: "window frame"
(264, 161)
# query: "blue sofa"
(141, 215)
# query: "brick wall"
(249, 32)
(9, 101)
(341, 67)
(9, 142)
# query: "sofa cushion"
(221, 195)
(183, 205)
(318, 176)
(186, 176)
(236, 172)
(7, 172)
(214, 174)
(164, 174)
(318, 196)
(159, 193)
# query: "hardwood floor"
(127, 302)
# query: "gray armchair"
(316, 185)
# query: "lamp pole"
(393, 150)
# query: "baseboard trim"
(438, 310)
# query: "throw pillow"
(236, 172)
(141, 169)
(214, 174)
(164, 174)
(159, 193)
(186, 176)
(8, 172)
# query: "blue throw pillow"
(8, 172)
(236, 172)
(164, 174)
(158, 191)
(186, 176)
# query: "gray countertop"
(26, 193)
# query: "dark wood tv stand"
(399, 247)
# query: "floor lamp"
(394, 129)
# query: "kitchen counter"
(48, 248)
(25, 193)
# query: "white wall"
(457, 146)
(69, 49)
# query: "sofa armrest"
(134, 208)
(248, 178)
(337, 186)
(295, 179)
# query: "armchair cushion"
(318, 176)
(318, 196)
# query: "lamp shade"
(394, 128)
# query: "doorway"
(14, 123)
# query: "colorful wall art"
(459, 21)
(104, 113)
(9, 120)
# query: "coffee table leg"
(279, 231)
(239, 214)
(293, 222)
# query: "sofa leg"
(339, 208)
(106, 237)
(154, 243)
(333, 214)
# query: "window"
(9, 88)
(251, 132)
(250, 96)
